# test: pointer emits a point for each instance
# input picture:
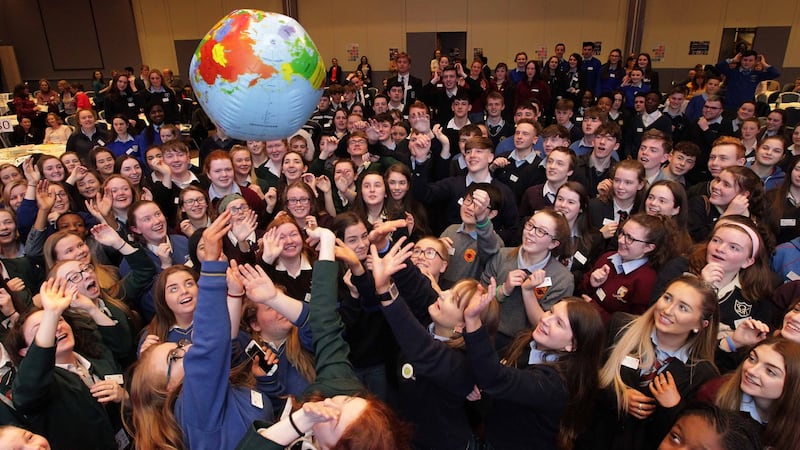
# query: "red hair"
(214, 156)
(377, 428)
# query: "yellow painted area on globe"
(258, 75)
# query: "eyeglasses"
(538, 231)
(711, 107)
(237, 209)
(60, 194)
(628, 239)
(175, 354)
(467, 201)
(194, 201)
(428, 253)
(296, 201)
(77, 277)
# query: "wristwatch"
(390, 295)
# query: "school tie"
(550, 197)
(623, 215)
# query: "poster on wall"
(540, 52)
(352, 52)
(658, 52)
(392, 52)
(699, 47)
(477, 52)
(598, 48)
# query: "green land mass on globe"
(228, 52)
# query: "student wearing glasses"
(622, 281)
(66, 383)
(541, 249)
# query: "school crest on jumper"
(743, 309)
(540, 292)
(621, 293)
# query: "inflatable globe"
(258, 75)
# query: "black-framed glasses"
(77, 277)
(194, 201)
(628, 239)
(538, 231)
(714, 108)
(428, 253)
(296, 201)
(175, 354)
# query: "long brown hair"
(578, 369)
(782, 429)
(106, 296)
(300, 358)
(377, 428)
(164, 318)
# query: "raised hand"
(514, 279)
(55, 296)
(393, 261)
(271, 245)
(257, 284)
(323, 184)
(212, 236)
(44, 200)
(106, 235)
(478, 304)
(31, 171)
(107, 391)
(245, 226)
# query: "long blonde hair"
(107, 276)
(635, 340)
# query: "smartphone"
(184, 216)
(252, 350)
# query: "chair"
(71, 120)
(373, 91)
(773, 97)
(792, 117)
(764, 97)
(788, 97)
(12, 110)
(102, 114)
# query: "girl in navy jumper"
(435, 374)
(175, 298)
(544, 404)
(180, 393)
(622, 281)
(659, 359)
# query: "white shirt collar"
(304, 265)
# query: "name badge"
(631, 362)
(165, 100)
(116, 378)
(788, 222)
(612, 75)
(580, 258)
(590, 68)
(122, 439)
(791, 276)
(546, 283)
(101, 143)
(534, 90)
(513, 178)
(639, 130)
(608, 221)
(256, 399)
(131, 104)
(601, 294)
(460, 201)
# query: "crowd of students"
(558, 271)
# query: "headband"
(754, 236)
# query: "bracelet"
(120, 247)
(32, 185)
(296, 428)
(483, 224)
(729, 340)
(236, 295)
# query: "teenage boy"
(516, 75)
(323, 114)
(449, 192)
(440, 100)
(595, 167)
(461, 108)
(565, 110)
(726, 152)
(590, 66)
(681, 160)
(395, 90)
(519, 168)
(498, 128)
(704, 132)
(560, 165)
(741, 82)
(676, 102)
(653, 153)
(527, 110)
(592, 119)
(458, 164)
(473, 241)
(647, 118)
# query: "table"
(16, 155)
